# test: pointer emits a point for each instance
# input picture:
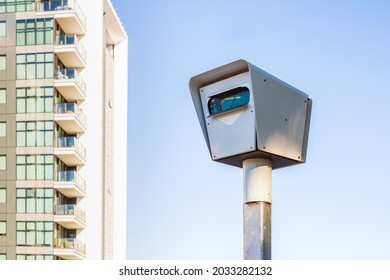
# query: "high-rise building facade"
(63, 130)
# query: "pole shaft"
(257, 209)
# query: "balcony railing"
(70, 243)
(71, 73)
(61, 5)
(71, 108)
(71, 39)
(70, 210)
(71, 142)
(71, 176)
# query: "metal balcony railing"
(70, 243)
(71, 39)
(71, 142)
(71, 108)
(70, 210)
(71, 176)
(71, 73)
(61, 5)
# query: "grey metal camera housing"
(244, 112)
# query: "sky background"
(182, 205)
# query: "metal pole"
(257, 208)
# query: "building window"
(3, 228)
(34, 167)
(34, 201)
(3, 129)
(3, 257)
(3, 195)
(34, 66)
(20, 257)
(3, 28)
(3, 162)
(34, 31)
(34, 233)
(34, 100)
(34, 134)
(3, 62)
(3, 95)
(12, 6)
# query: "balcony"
(67, 13)
(70, 184)
(70, 117)
(70, 84)
(69, 216)
(69, 249)
(70, 151)
(70, 51)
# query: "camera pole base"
(257, 209)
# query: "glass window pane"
(20, 205)
(49, 138)
(21, 139)
(3, 195)
(3, 162)
(40, 238)
(30, 106)
(30, 225)
(40, 172)
(30, 236)
(30, 205)
(3, 28)
(40, 70)
(3, 96)
(31, 74)
(49, 238)
(49, 205)
(20, 192)
(49, 104)
(40, 104)
(20, 159)
(20, 71)
(3, 227)
(3, 62)
(21, 172)
(20, 238)
(40, 138)
(2, 6)
(30, 135)
(21, 105)
(30, 172)
(3, 129)
(30, 37)
(49, 70)
(49, 173)
(20, 38)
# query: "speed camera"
(244, 112)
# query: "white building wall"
(120, 150)
(94, 43)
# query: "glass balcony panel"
(71, 40)
(71, 176)
(70, 243)
(71, 108)
(70, 210)
(70, 73)
(71, 142)
(61, 5)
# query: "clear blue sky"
(184, 206)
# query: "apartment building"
(63, 130)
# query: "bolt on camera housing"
(244, 113)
